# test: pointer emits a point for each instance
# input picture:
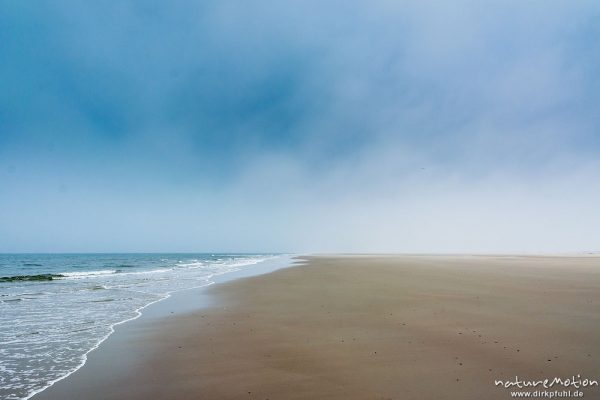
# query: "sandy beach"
(363, 327)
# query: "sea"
(56, 308)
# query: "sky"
(300, 126)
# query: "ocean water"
(55, 308)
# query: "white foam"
(88, 274)
(215, 268)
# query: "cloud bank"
(299, 126)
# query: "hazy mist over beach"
(299, 126)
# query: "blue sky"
(299, 126)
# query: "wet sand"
(364, 327)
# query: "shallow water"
(55, 308)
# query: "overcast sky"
(300, 126)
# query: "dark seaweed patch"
(39, 277)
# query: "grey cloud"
(299, 125)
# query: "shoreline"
(153, 309)
(361, 327)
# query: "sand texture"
(365, 327)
